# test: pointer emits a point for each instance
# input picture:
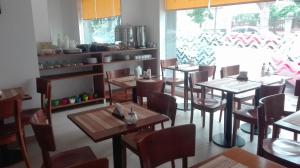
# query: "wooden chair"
(160, 103)
(283, 151)
(45, 138)
(172, 81)
(249, 115)
(43, 87)
(167, 145)
(99, 163)
(296, 93)
(211, 69)
(205, 105)
(125, 94)
(12, 132)
(239, 98)
(145, 87)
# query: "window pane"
(100, 30)
(247, 34)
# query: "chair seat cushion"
(244, 96)
(73, 157)
(246, 114)
(209, 104)
(283, 149)
(170, 81)
(131, 139)
(27, 114)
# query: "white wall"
(40, 20)
(18, 56)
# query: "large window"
(99, 19)
(246, 34)
(100, 30)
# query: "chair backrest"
(197, 77)
(115, 74)
(43, 86)
(44, 135)
(297, 93)
(166, 145)
(210, 68)
(11, 108)
(270, 110)
(267, 90)
(167, 62)
(230, 70)
(164, 104)
(145, 87)
(118, 73)
(99, 163)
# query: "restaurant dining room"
(149, 83)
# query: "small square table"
(100, 124)
(185, 68)
(290, 122)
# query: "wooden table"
(265, 80)
(239, 158)
(231, 86)
(129, 82)
(291, 122)
(185, 68)
(100, 124)
(7, 93)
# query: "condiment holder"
(131, 118)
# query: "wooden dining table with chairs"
(185, 69)
(100, 124)
(130, 82)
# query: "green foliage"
(247, 19)
(283, 12)
(200, 15)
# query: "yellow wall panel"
(190, 4)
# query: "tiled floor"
(69, 136)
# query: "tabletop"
(100, 124)
(238, 158)
(231, 85)
(129, 81)
(184, 68)
(267, 79)
(291, 122)
(7, 93)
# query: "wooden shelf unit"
(96, 70)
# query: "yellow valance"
(97, 9)
(190, 4)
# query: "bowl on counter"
(91, 60)
(107, 59)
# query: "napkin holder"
(242, 76)
(118, 111)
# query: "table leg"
(185, 94)
(134, 96)
(117, 151)
(224, 140)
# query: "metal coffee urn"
(140, 36)
(124, 33)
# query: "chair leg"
(211, 120)
(295, 136)
(203, 118)
(23, 149)
(251, 132)
(220, 117)
(239, 105)
(172, 89)
(234, 133)
(172, 163)
(192, 114)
